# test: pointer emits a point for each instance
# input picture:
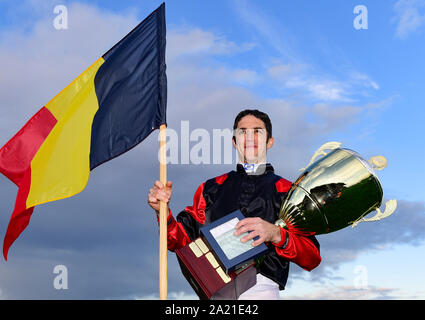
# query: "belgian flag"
(110, 108)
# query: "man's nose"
(250, 136)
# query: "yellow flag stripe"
(61, 167)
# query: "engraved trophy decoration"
(336, 191)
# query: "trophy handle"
(390, 207)
(378, 162)
(321, 151)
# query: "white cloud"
(37, 63)
(281, 70)
(194, 41)
(316, 87)
(321, 87)
(363, 80)
(270, 29)
(291, 72)
(410, 17)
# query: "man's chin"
(252, 160)
(251, 154)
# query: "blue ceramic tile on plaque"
(227, 248)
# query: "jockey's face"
(251, 140)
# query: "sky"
(320, 72)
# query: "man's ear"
(270, 143)
(234, 142)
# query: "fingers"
(155, 196)
(152, 199)
(256, 227)
(253, 227)
(158, 184)
(247, 224)
(158, 193)
(251, 235)
(257, 242)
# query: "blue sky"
(303, 62)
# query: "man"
(258, 193)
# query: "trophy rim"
(362, 160)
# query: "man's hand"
(266, 231)
(158, 193)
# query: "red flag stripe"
(16, 155)
(20, 216)
(15, 163)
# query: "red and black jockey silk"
(255, 196)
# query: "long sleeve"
(176, 234)
(302, 250)
(185, 227)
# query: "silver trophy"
(334, 192)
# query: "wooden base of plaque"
(208, 278)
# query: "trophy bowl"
(332, 193)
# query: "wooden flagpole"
(163, 213)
